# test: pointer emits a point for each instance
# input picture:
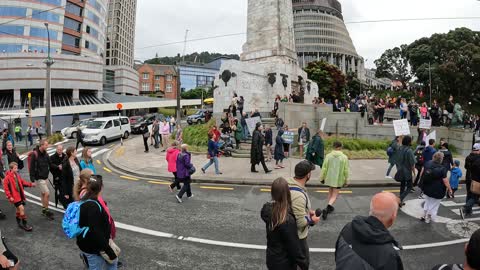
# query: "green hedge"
(197, 135)
(57, 137)
(358, 144)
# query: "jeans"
(213, 160)
(472, 199)
(30, 139)
(405, 188)
(390, 167)
(245, 132)
(186, 187)
(96, 262)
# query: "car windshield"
(95, 124)
(136, 118)
(199, 112)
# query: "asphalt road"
(220, 228)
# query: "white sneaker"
(421, 197)
(190, 197)
(179, 200)
(428, 220)
(388, 177)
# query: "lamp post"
(48, 91)
(430, 79)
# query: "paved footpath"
(131, 159)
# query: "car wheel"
(74, 135)
(199, 122)
(125, 135)
(103, 141)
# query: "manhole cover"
(462, 228)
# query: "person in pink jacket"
(424, 111)
(171, 157)
(165, 132)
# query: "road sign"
(119, 106)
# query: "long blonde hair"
(85, 156)
(282, 202)
(84, 177)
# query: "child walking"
(455, 176)
(13, 185)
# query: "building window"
(169, 78)
(157, 77)
(157, 87)
(71, 40)
(145, 76)
(169, 88)
(45, 16)
(201, 81)
(145, 87)
(73, 9)
(43, 33)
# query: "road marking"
(99, 162)
(129, 178)
(111, 146)
(341, 191)
(452, 204)
(216, 188)
(457, 211)
(159, 183)
(136, 229)
(107, 169)
(100, 152)
(392, 190)
(265, 190)
(64, 141)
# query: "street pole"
(29, 118)
(179, 90)
(48, 91)
(430, 78)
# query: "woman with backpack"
(97, 247)
(70, 174)
(87, 160)
(185, 169)
(435, 185)
(283, 244)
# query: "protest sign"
(401, 127)
(288, 137)
(251, 123)
(425, 124)
(432, 135)
(322, 126)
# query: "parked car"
(135, 119)
(71, 131)
(147, 119)
(197, 118)
(102, 130)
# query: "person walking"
(447, 156)
(29, 135)
(56, 163)
(366, 243)
(18, 133)
(212, 155)
(303, 137)
(80, 137)
(335, 173)
(419, 163)
(316, 150)
(165, 132)
(13, 184)
(171, 157)
(145, 134)
(243, 122)
(405, 163)
(97, 240)
(301, 205)
(233, 105)
(86, 161)
(392, 153)
(70, 174)
(278, 154)
(429, 151)
(12, 156)
(256, 152)
(240, 104)
(472, 165)
(268, 142)
(185, 169)
(40, 132)
(39, 171)
(435, 185)
(156, 133)
(286, 146)
(455, 176)
(283, 244)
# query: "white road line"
(457, 211)
(100, 152)
(241, 245)
(64, 141)
(453, 204)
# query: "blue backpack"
(71, 220)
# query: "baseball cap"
(303, 168)
(476, 147)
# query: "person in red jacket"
(13, 185)
(171, 157)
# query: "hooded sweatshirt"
(171, 157)
(283, 245)
(336, 169)
(366, 241)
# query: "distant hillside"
(203, 57)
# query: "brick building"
(160, 80)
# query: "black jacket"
(283, 245)
(447, 159)
(307, 133)
(269, 137)
(67, 178)
(472, 165)
(39, 165)
(11, 156)
(96, 240)
(55, 162)
(256, 152)
(432, 181)
(370, 242)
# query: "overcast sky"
(161, 22)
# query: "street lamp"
(48, 91)
(430, 79)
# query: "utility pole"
(48, 91)
(179, 87)
(185, 45)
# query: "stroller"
(226, 145)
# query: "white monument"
(268, 65)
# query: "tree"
(393, 64)
(197, 93)
(331, 81)
(354, 85)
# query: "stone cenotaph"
(268, 65)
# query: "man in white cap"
(472, 165)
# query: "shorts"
(43, 186)
(17, 204)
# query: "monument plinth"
(268, 65)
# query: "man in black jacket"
(472, 165)
(39, 171)
(366, 243)
(56, 162)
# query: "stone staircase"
(245, 147)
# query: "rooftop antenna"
(185, 46)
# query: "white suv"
(102, 130)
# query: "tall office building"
(119, 58)
(321, 34)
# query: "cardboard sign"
(251, 123)
(401, 127)
(425, 124)
(432, 135)
(322, 126)
(288, 137)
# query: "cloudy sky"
(161, 22)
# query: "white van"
(102, 130)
